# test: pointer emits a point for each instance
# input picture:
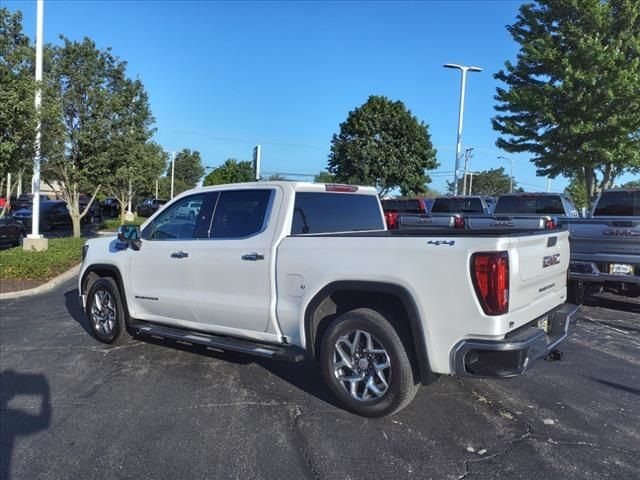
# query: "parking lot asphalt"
(73, 408)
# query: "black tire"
(20, 239)
(576, 292)
(115, 332)
(401, 386)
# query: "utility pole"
(510, 160)
(464, 69)
(257, 157)
(173, 169)
(467, 157)
(35, 241)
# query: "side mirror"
(130, 234)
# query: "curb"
(45, 287)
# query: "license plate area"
(543, 324)
(620, 269)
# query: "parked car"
(12, 232)
(110, 207)
(53, 213)
(605, 248)
(26, 201)
(190, 210)
(446, 212)
(300, 269)
(531, 211)
(95, 211)
(149, 206)
(394, 207)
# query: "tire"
(107, 322)
(576, 292)
(401, 385)
(20, 239)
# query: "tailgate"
(502, 222)
(426, 221)
(615, 236)
(540, 263)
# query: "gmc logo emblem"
(621, 233)
(549, 260)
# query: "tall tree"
(382, 144)
(572, 98)
(324, 177)
(578, 192)
(17, 112)
(104, 116)
(188, 167)
(488, 182)
(136, 175)
(631, 184)
(231, 171)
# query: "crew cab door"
(160, 271)
(231, 280)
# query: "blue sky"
(224, 76)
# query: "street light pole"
(510, 160)
(173, 169)
(467, 157)
(36, 241)
(464, 69)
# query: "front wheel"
(365, 364)
(105, 311)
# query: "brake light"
(549, 224)
(334, 187)
(458, 223)
(490, 274)
(392, 220)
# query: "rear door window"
(317, 212)
(241, 213)
(618, 204)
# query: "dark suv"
(149, 206)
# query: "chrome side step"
(286, 353)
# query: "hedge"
(63, 253)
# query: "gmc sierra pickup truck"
(605, 248)
(290, 270)
(446, 212)
(534, 211)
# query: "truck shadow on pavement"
(305, 375)
(617, 303)
(17, 422)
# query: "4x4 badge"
(437, 243)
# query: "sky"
(225, 76)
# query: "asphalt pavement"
(73, 408)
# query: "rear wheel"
(20, 239)
(365, 364)
(106, 311)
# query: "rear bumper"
(591, 272)
(518, 351)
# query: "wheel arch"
(101, 270)
(394, 300)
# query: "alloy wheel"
(103, 312)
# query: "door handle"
(179, 254)
(252, 257)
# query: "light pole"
(35, 241)
(173, 169)
(510, 160)
(464, 69)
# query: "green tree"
(572, 98)
(631, 184)
(188, 167)
(578, 192)
(488, 182)
(103, 117)
(324, 177)
(137, 174)
(231, 171)
(276, 177)
(17, 89)
(382, 144)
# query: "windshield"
(618, 204)
(457, 205)
(540, 205)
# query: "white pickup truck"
(290, 270)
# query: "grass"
(112, 224)
(63, 253)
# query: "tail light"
(458, 223)
(392, 220)
(549, 224)
(335, 187)
(490, 274)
